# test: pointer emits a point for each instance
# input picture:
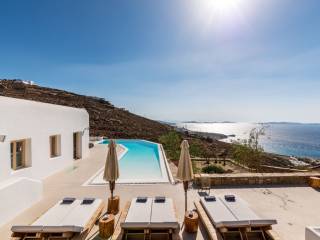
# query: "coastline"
(293, 161)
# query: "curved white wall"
(23, 119)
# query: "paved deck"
(293, 207)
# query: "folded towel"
(230, 198)
(142, 199)
(87, 201)
(210, 198)
(159, 199)
(67, 200)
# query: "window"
(55, 146)
(18, 154)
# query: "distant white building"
(36, 140)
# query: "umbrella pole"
(111, 184)
(185, 186)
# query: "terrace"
(294, 207)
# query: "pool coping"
(164, 167)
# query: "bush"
(212, 169)
(248, 152)
(171, 143)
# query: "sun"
(222, 6)
(220, 13)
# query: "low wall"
(239, 179)
(18, 195)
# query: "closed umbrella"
(111, 170)
(185, 171)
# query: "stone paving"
(293, 206)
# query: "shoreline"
(296, 161)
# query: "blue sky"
(211, 60)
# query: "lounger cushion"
(59, 229)
(237, 213)
(217, 210)
(220, 215)
(26, 229)
(151, 214)
(81, 215)
(240, 209)
(138, 215)
(72, 217)
(55, 215)
(262, 222)
(163, 215)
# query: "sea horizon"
(284, 138)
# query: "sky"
(172, 60)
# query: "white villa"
(36, 140)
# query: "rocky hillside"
(112, 122)
(105, 119)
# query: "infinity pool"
(141, 162)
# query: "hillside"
(112, 122)
(105, 119)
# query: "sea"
(291, 139)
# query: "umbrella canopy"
(111, 169)
(185, 171)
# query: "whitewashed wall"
(22, 119)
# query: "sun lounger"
(154, 217)
(139, 213)
(243, 212)
(233, 218)
(163, 215)
(56, 214)
(312, 233)
(63, 220)
(81, 216)
(220, 215)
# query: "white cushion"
(163, 215)
(312, 233)
(138, 215)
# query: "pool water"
(141, 159)
(141, 163)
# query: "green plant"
(196, 149)
(212, 169)
(171, 143)
(195, 168)
(249, 152)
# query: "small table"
(113, 205)
(191, 221)
(106, 226)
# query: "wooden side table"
(113, 205)
(191, 221)
(106, 226)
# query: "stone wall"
(257, 179)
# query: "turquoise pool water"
(141, 163)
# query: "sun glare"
(220, 12)
(222, 6)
